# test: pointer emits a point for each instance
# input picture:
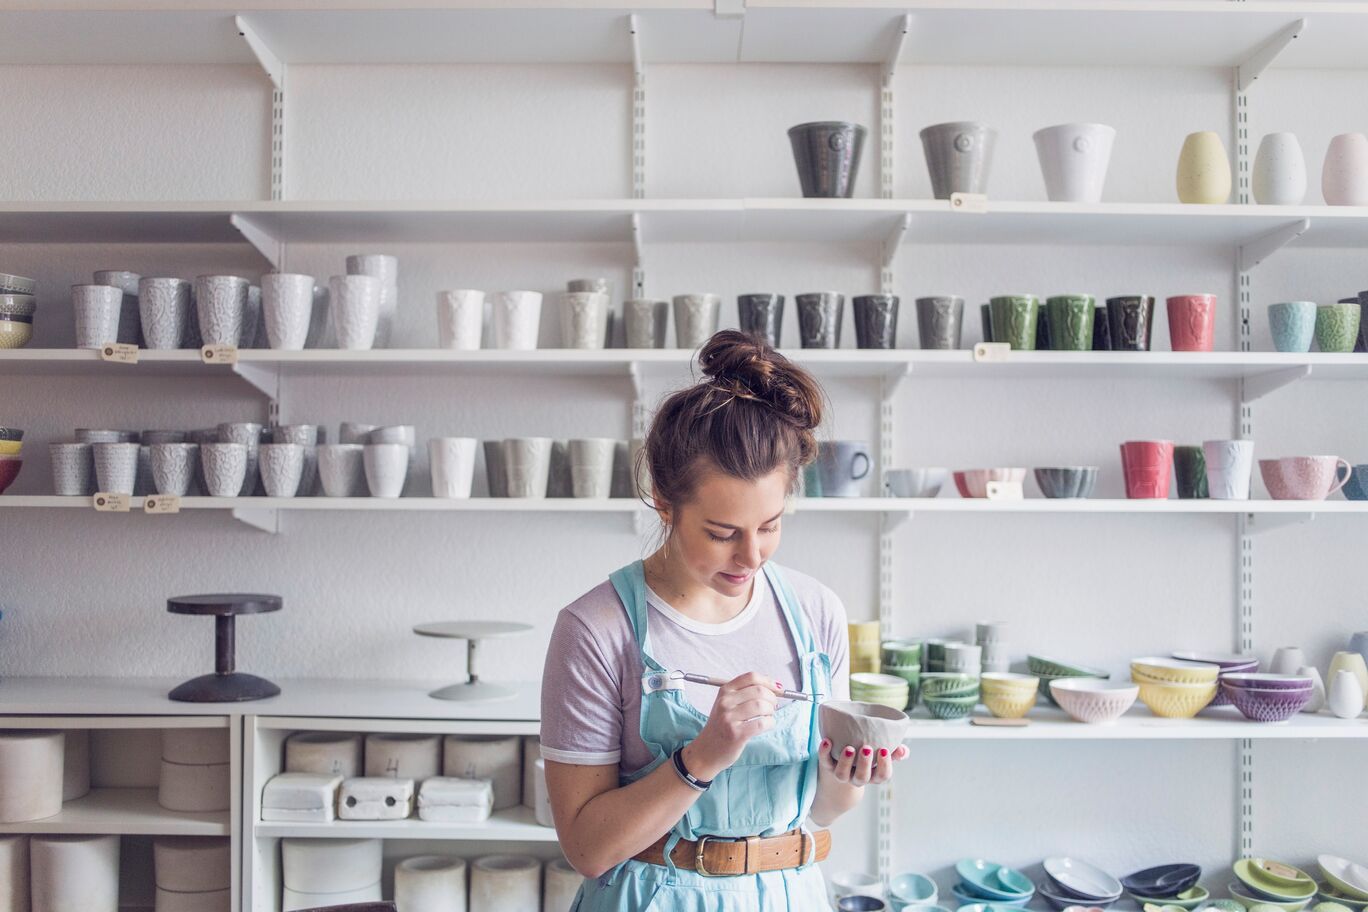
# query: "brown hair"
(753, 412)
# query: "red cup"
(1146, 465)
(1192, 322)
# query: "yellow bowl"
(1009, 706)
(1176, 701)
(1008, 683)
(10, 447)
(1174, 671)
(14, 334)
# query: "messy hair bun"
(753, 412)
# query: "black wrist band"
(689, 778)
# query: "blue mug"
(1356, 488)
(1293, 324)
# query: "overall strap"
(807, 655)
(630, 583)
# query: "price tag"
(219, 354)
(119, 353)
(161, 503)
(1278, 869)
(106, 502)
(992, 352)
(968, 202)
(990, 722)
(1004, 490)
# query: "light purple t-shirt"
(591, 688)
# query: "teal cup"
(1293, 325)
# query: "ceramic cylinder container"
(1014, 319)
(14, 872)
(173, 467)
(30, 774)
(116, 467)
(1192, 322)
(341, 469)
(386, 466)
(196, 745)
(355, 303)
(527, 465)
(330, 753)
(820, 315)
(452, 461)
(192, 864)
(1070, 319)
(430, 883)
(1279, 176)
(71, 873)
(505, 883)
(1132, 322)
(494, 757)
(591, 466)
(1203, 169)
(342, 868)
(403, 756)
(516, 318)
(695, 318)
(958, 156)
(1344, 176)
(940, 321)
(1146, 467)
(584, 319)
(645, 322)
(876, 321)
(221, 305)
(282, 466)
(560, 884)
(97, 309)
(762, 315)
(827, 155)
(194, 786)
(164, 311)
(287, 302)
(460, 319)
(1074, 159)
(130, 328)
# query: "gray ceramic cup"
(876, 321)
(97, 309)
(819, 319)
(164, 311)
(201, 437)
(342, 470)
(528, 463)
(173, 467)
(221, 303)
(591, 466)
(958, 156)
(940, 321)
(247, 433)
(584, 319)
(130, 320)
(762, 315)
(695, 318)
(116, 467)
(841, 467)
(496, 473)
(645, 320)
(282, 466)
(144, 484)
(622, 469)
(73, 469)
(306, 435)
(827, 155)
(558, 481)
(598, 286)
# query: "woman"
(631, 753)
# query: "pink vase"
(1304, 477)
(1192, 322)
(1146, 465)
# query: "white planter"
(430, 883)
(505, 883)
(1074, 159)
(195, 745)
(30, 775)
(334, 753)
(1344, 176)
(1318, 693)
(291, 900)
(375, 798)
(497, 758)
(560, 885)
(14, 874)
(300, 797)
(192, 864)
(194, 786)
(330, 866)
(75, 764)
(1279, 177)
(543, 797)
(74, 873)
(208, 901)
(403, 756)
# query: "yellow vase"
(1203, 169)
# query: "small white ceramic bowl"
(1094, 700)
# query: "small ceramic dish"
(950, 708)
(1267, 705)
(912, 889)
(1176, 701)
(13, 284)
(1249, 900)
(1189, 899)
(1059, 900)
(14, 333)
(1041, 665)
(1083, 880)
(976, 480)
(993, 881)
(1275, 880)
(1162, 881)
(1066, 482)
(967, 897)
(8, 433)
(1328, 893)
(1348, 878)
(1262, 681)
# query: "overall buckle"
(699, 866)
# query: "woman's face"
(728, 530)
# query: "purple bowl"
(1268, 705)
(1259, 681)
(1228, 661)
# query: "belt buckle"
(699, 866)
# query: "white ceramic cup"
(164, 309)
(386, 468)
(97, 309)
(341, 469)
(282, 466)
(173, 467)
(584, 319)
(430, 883)
(1279, 175)
(1073, 160)
(385, 268)
(307, 436)
(355, 303)
(130, 320)
(73, 469)
(460, 319)
(68, 873)
(517, 319)
(527, 462)
(287, 301)
(247, 433)
(695, 318)
(225, 468)
(1229, 466)
(452, 461)
(221, 304)
(116, 467)
(591, 466)
(505, 883)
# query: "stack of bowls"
(1229, 663)
(17, 308)
(950, 694)
(1173, 688)
(11, 460)
(985, 882)
(1008, 695)
(1268, 697)
(1093, 700)
(908, 891)
(1345, 881)
(1071, 882)
(1330, 894)
(1167, 885)
(1261, 881)
(903, 659)
(886, 690)
(1047, 670)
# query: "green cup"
(1337, 327)
(1189, 472)
(1014, 320)
(1071, 322)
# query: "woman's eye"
(770, 529)
(719, 538)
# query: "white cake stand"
(472, 689)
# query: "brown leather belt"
(714, 856)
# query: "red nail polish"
(883, 752)
(824, 743)
(850, 751)
(867, 751)
(779, 685)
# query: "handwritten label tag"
(1278, 869)
(992, 352)
(106, 502)
(1004, 490)
(162, 503)
(219, 354)
(968, 202)
(119, 353)
(990, 722)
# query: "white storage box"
(295, 797)
(447, 799)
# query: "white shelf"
(1222, 723)
(127, 812)
(993, 32)
(517, 824)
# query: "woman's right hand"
(743, 709)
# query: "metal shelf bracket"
(893, 381)
(1251, 69)
(264, 518)
(265, 379)
(265, 243)
(893, 242)
(891, 64)
(276, 71)
(637, 251)
(1265, 245)
(1268, 522)
(1260, 385)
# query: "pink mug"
(1192, 322)
(1146, 465)
(1304, 477)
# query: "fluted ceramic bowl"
(1173, 671)
(1066, 481)
(976, 480)
(1176, 701)
(1229, 662)
(1267, 705)
(1093, 700)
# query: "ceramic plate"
(966, 897)
(1345, 876)
(993, 881)
(1086, 880)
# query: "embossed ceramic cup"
(452, 463)
(130, 324)
(1073, 160)
(527, 461)
(1071, 321)
(876, 321)
(173, 467)
(97, 309)
(248, 434)
(73, 469)
(1229, 466)
(460, 319)
(1146, 465)
(517, 319)
(282, 466)
(221, 303)
(164, 311)
(1014, 320)
(598, 286)
(355, 303)
(958, 157)
(646, 320)
(1304, 477)
(1192, 322)
(385, 268)
(306, 435)
(762, 315)
(819, 319)
(1337, 327)
(1132, 322)
(287, 301)
(591, 466)
(386, 467)
(940, 321)
(341, 469)
(1293, 325)
(116, 467)
(695, 318)
(251, 318)
(225, 468)
(1101, 340)
(827, 155)
(1190, 473)
(584, 319)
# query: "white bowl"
(1084, 879)
(1094, 700)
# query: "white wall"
(85, 594)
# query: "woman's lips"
(734, 578)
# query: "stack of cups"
(307, 436)
(864, 646)
(389, 458)
(991, 638)
(591, 466)
(591, 315)
(386, 270)
(97, 309)
(430, 883)
(194, 770)
(130, 318)
(329, 872)
(193, 874)
(964, 658)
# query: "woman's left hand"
(862, 766)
